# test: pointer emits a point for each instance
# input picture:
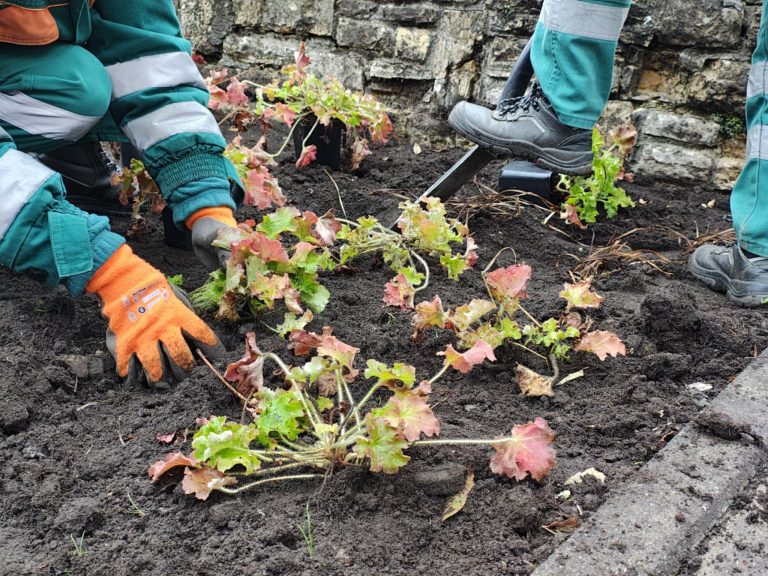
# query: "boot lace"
(533, 100)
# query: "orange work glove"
(150, 324)
(205, 225)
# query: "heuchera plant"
(423, 230)
(281, 258)
(483, 325)
(587, 195)
(311, 423)
(297, 97)
(262, 269)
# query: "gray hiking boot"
(526, 127)
(727, 269)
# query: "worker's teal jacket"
(99, 70)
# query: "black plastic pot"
(328, 139)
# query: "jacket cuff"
(190, 169)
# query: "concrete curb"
(671, 504)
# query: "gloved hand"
(151, 325)
(205, 225)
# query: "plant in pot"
(320, 114)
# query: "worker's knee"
(86, 86)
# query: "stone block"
(247, 12)
(376, 36)
(726, 172)
(457, 35)
(205, 23)
(393, 70)
(677, 127)
(409, 14)
(661, 513)
(412, 43)
(246, 50)
(300, 16)
(705, 23)
(719, 86)
(671, 162)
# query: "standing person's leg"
(749, 199)
(741, 270)
(572, 54)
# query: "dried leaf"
(532, 383)
(579, 295)
(578, 478)
(601, 343)
(456, 502)
(527, 451)
(248, 372)
(165, 438)
(171, 461)
(571, 215)
(203, 481)
(567, 525)
(472, 357)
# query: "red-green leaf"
(412, 415)
(509, 282)
(579, 295)
(601, 343)
(428, 314)
(527, 451)
(399, 292)
(472, 357)
(383, 446)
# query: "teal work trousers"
(572, 52)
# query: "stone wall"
(680, 72)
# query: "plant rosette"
(502, 319)
(310, 423)
(588, 196)
(265, 267)
(425, 231)
(299, 98)
(282, 257)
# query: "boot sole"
(734, 290)
(554, 159)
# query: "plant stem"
(493, 260)
(290, 135)
(426, 271)
(437, 376)
(309, 134)
(221, 378)
(233, 491)
(461, 442)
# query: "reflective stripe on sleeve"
(757, 142)
(20, 177)
(757, 79)
(43, 119)
(157, 71)
(177, 118)
(583, 19)
(4, 135)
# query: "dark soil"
(75, 449)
